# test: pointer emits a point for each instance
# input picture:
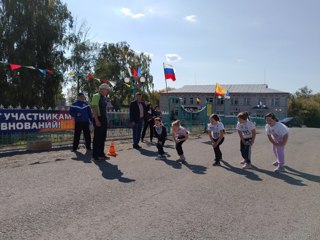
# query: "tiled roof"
(233, 88)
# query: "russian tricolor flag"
(169, 72)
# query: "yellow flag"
(220, 91)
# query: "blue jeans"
(136, 132)
(246, 150)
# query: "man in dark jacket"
(136, 118)
(148, 121)
(81, 112)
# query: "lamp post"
(278, 112)
(133, 84)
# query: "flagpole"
(165, 81)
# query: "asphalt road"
(63, 195)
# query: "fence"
(20, 126)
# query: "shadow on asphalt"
(112, 172)
(307, 176)
(247, 173)
(148, 153)
(198, 169)
(282, 176)
(86, 158)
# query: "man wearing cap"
(81, 112)
(99, 108)
(136, 117)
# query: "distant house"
(256, 99)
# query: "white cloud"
(128, 12)
(144, 53)
(191, 18)
(240, 60)
(172, 57)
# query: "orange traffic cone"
(112, 150)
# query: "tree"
(114, 62)
(305, 106)
(82, 61)
(32, 33)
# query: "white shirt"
(277, 131)
(215, 129)
(246, 129)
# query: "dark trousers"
(147, 124)
(160, 145)
(99, 138)
(136, 132)
(81, 126)
(217, 151)
(179, 148)
(245, 150)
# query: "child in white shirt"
(247, 132)
(180, 135)
(216, 135)
(278, 135)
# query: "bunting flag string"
(17, 66)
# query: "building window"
(184, 100)
(275, 102)
(220, 101)
(246, 101)
(262, 102)
(211, 100)
(191, 100)
(234, 101)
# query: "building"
(256, 99)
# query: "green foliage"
(32, 33)
(113, 63)
(83, 55)
(305, 106)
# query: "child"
(180, 135)
(160, 132)
(247, 133)
(216, 135)
(278, 135)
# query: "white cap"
(104, 85)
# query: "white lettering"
(22, 117)
(3, 126)
(7, 116)
(29, 117)
(19, 125)
(42, 116)
(34, 126)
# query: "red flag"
(14, 66)
(49, 71)
(135, 73)
(90, 76)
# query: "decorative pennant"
(14, 66)
(30, 67)
(42, 71)
(90, 76)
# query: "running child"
(180, 135)
(216, 135)
(160, 132)
(247, 133)
(278, 135)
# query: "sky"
(274, 42)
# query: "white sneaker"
(247, 166)
(243, 161)
(275, 163)
(279, 169)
